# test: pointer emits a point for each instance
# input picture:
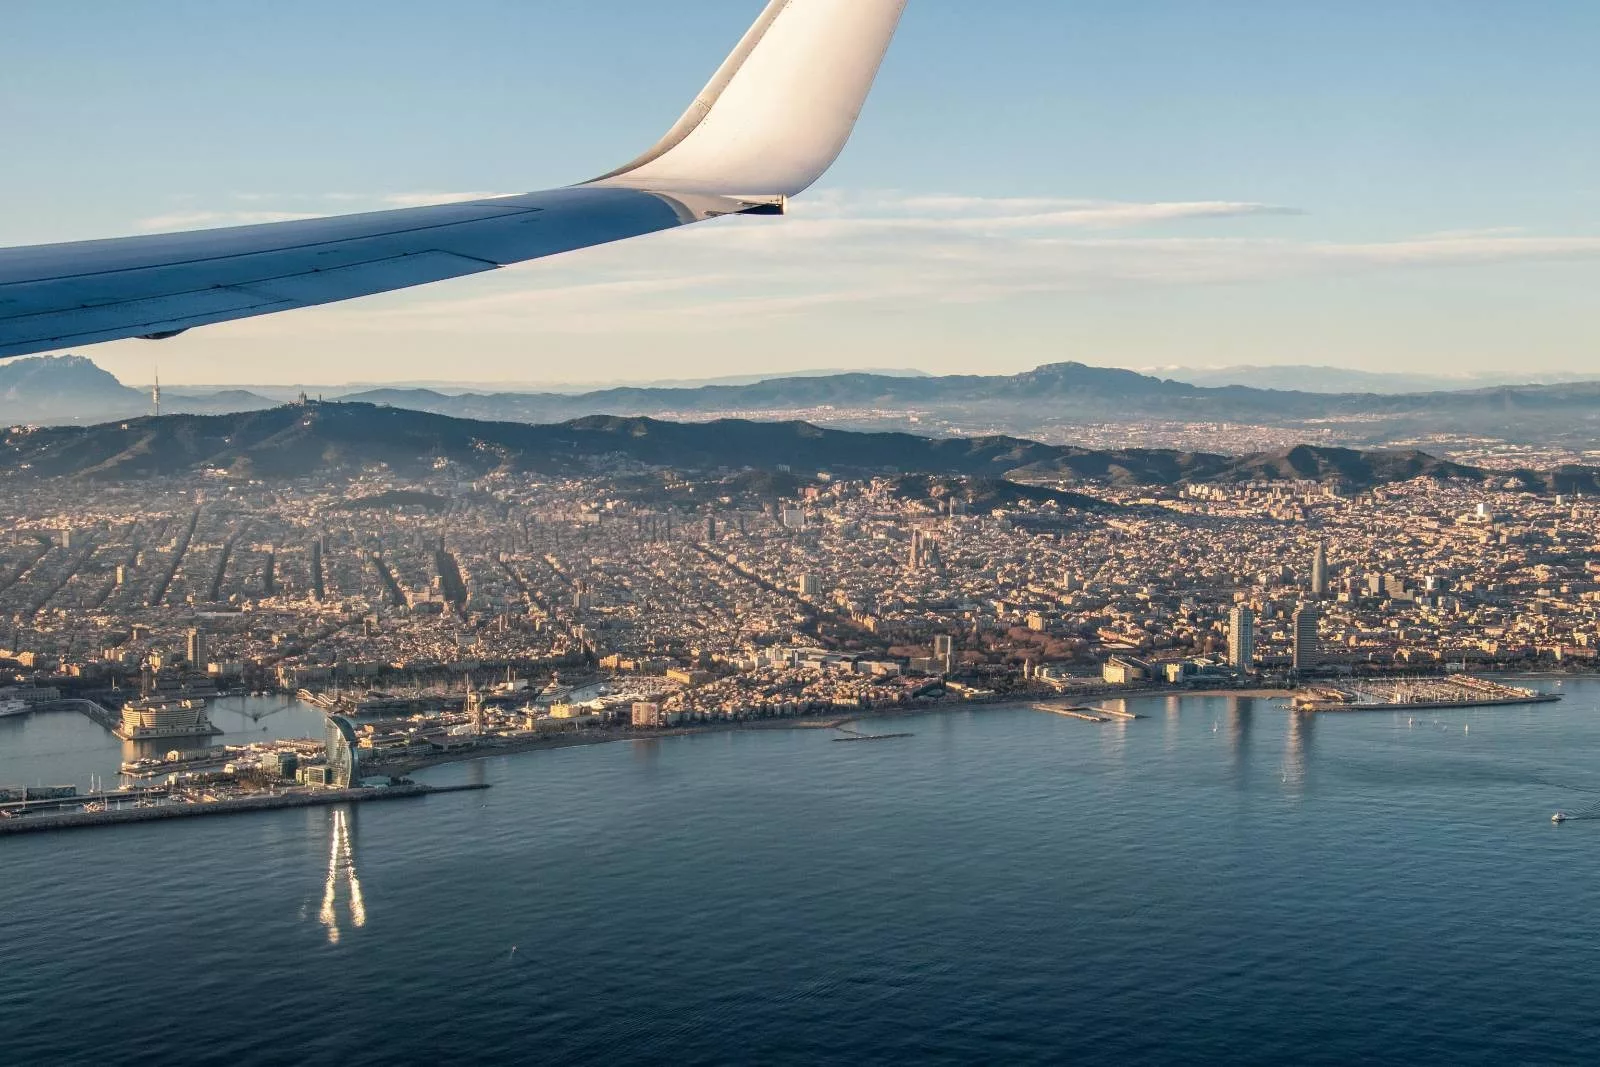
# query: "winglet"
(780, 109)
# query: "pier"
(1086, 714)
(1116, 713)
(24, 824)
(857, 735)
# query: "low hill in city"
(396, 500)
(984, 494)
(317, 439)
(322, 440)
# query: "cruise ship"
(159, 719)
(9, 708)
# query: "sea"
(1220, 881)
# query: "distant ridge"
(1060, 391)
(1323, 379)
(44, 389)
(68, 388)
(319, 440)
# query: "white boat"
(9, 708)
(1559, 816)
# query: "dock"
(1125, 716)
(1078, 712)
(25, 824)
(857, 735)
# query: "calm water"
(64, 748)
(1218, 883)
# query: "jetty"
(149, 811)
(1075, 712)
(1117, 713)
(857, 735)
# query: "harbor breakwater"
(234, 806)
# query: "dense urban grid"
(847, 592)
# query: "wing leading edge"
(771, 121)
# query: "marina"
(1419, 694)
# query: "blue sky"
(1382, 184)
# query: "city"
(455, 611)
(799, 532)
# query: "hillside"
(322, 440)
(1052, 402)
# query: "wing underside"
(774, 117)
(77, 294)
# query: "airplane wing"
(769, 124)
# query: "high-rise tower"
(1319, 571)
(1307, 641)
(1242, 638)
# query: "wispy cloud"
(880, 249)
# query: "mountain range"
(325, 440)
(1322, 379)
(1047, 401)
(46, 389)
(1063, 387)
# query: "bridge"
(88, 708)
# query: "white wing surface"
(772, 120)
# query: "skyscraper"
(1242, 638)
(196, 650)
(1319, 571)
(944, 652)
(1307, 642)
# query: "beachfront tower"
(344, 770)
(1242, 638)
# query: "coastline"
(837, 718)
(829, 721)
